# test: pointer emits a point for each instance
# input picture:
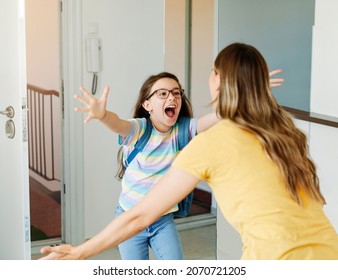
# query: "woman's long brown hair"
(245, 98)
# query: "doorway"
(44, 100)
(189, 49)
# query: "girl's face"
(214, 84)
(164, 111)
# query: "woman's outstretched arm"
(172, 188)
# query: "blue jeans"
(162, 236)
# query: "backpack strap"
(140, 144)
(183, 138)
(183, 132)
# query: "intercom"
(93, 52)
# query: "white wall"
(174, 59)
(324, 93)
(132, 38)
(324, 100)
(202, 54)
(323, 141)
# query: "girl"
(161, 98)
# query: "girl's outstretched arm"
(206, 121)
(96, 109)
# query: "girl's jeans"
(161, 236)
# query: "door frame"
(71, 73)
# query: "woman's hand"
(62, 252)
(96, 108)
(276, 82)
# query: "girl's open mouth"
(170, 111)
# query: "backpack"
(183, 139)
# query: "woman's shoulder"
(221, 130)
(222, 125)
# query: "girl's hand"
(96, 108)
(276, 82)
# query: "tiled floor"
(45, 211)
(198, 244)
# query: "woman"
(257, 163)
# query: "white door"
(14, 195)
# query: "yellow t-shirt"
(252, 196)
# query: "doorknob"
(9, 112)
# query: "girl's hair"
(139, 112)
(245, 98)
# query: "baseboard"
(195, 221)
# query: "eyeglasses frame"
(168, 90)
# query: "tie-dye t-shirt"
(150, 164)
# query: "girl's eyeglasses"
(163, 93)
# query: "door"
(14, 197)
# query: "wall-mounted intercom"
(93, 50)
(93, 53)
